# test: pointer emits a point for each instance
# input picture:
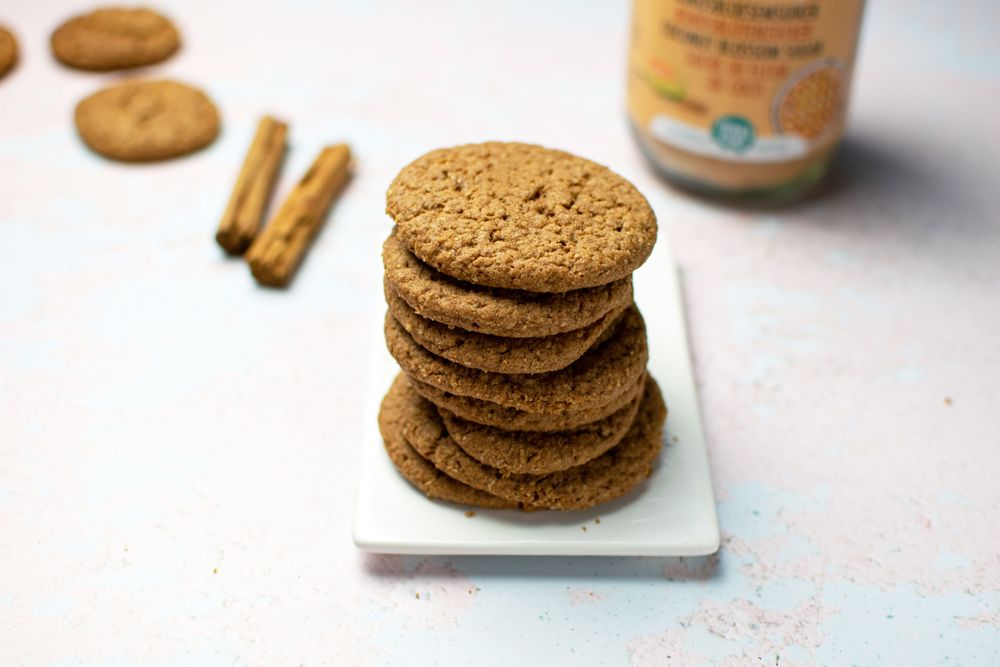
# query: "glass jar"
(737, 98)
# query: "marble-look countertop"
(179, 448)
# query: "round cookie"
(510, 313)
(520, 216)
(512, 419)
(143, 121)
(115, 38)
(8, 51)
(519, 452)
(500, 354)
(599, 376)
(419, 471)
(609, 476)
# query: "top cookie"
(8, 51)
(115, 38)
(521, 216)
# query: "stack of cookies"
(508, 278)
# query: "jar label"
(746, 81)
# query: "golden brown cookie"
(609, 476)
(499, 354)
(512, 419)
(141, 121)
(510, 313)
(416, 469)
(604, 373)
(8, 51)
(520, 216)
(115, 38)
(524, 452)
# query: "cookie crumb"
(583, 528)
(215, 570)
(469, 514)
(597, 519)
(947, 400)
(417, 595)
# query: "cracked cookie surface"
(115, 38)
(512, 419)
(141, 121)
(417, 470)
(609, 476)
(488, 310)
(500, 354)
(520, 216)
(604, 373)
(524, 452)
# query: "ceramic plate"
(670, 514)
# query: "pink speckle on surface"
(666, 648)
(763, 636)
(770, 631)
(430, 593)
(991, 619)
(583, 596)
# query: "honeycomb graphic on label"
(812, 101)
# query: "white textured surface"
(179, 449)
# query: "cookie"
(500, 354)
(609, 476)
(8, 51)
(147, 120)
(510, 313)
(416, 469)
(115, 38)
(599, 376)
(521, 452)
(520, 216)
(492, 414)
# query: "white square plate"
(671, 514)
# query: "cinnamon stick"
(277, 252)
(254, 186)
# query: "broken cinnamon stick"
(254, 186)
(277, 252)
